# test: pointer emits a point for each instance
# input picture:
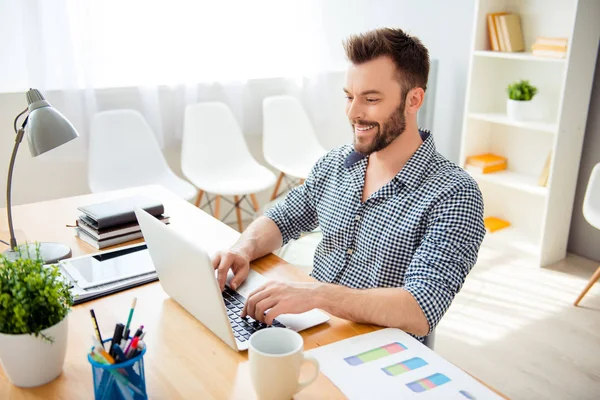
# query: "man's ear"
(414, 100)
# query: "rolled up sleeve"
(447, 253)
(297, 213)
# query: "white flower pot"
(32, 361)
(521, 110)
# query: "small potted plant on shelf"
(519, 105)
(34, 306)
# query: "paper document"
(390, 364)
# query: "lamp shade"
(46, 127)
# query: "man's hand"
(231, 259)
(280, 298)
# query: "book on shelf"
(493, 224)
(550, 47)
(86, 224)
(505, 33)
(101, 244)
(543, 179)
(485, 163)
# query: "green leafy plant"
(521, 91)
(33, 297)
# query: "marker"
(139, 331)
(130, 315)
(117, 336)
(95, 322)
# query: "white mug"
(275, 360)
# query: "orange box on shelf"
(485, 163)
(493, 224)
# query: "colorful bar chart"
(404, 366)
(428, 383)
(375, 354)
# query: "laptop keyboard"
(242, 327)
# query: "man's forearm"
(389, 307)
(259, 239)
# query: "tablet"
(109, 267)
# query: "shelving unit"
(540, 216)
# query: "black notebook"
(120, 211)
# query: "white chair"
(124, 152)
(215, 158)
(591, 212)
(289, 140)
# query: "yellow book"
(510, 31)
(493, 30)
(493, 224)
(485, 163)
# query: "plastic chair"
(124, 152)
(289, 140)
(591, 212)
(215, 158)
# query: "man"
(401, 224)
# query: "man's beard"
(392, 128)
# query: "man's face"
(375, 106)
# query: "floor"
(514, 325)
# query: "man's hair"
(408, 53)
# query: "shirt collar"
(410, 175)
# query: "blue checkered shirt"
(421, 231)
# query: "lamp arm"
(20, 133)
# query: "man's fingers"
(273, 313)
(262, 306)
(252, 299)
(223, 268)
(240, 276)
(216, 260)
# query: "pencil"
(95, 323)
(130, 314)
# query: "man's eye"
(349, 98)
(372, 100)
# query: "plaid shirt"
(421, 231)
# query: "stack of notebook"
(505, 32)
(114, 222)
(485, 163)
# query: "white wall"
(444, 27)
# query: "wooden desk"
(184, 359)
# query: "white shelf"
(512, 240)
(517, 56)
(524, 183)
(503, 119)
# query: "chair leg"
(199, 197)
(591, 282)
(238, 213)
(302, 181)
(254, 202)
(274, 195)
(217, 206)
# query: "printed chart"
(392, 364)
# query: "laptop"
(186, 274)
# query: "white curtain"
(159, 56)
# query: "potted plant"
(34, 305)
(519, 106)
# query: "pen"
(130, 315)
(139, 331)
(100, 349)
(95, 322)
(132, 347)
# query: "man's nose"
(355, 111)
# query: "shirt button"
(350, 251)
(357, 218)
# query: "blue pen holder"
(125, 380)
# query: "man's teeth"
(365, 128)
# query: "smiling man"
(401, 224)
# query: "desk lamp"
(46, 129)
